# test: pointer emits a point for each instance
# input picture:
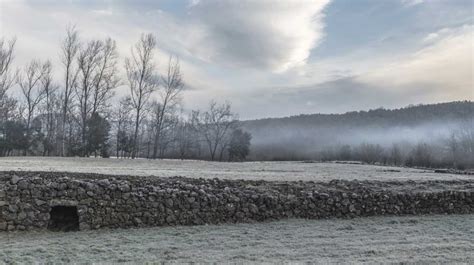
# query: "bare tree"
(50, 105)
(466, 135)
(466, 141)
(188, 137)
(162, 123)
(69, 50)
(7, 78)
(239, 146)
(452, 144)
(183, 139)
(106, 78)
(218, 122)
(172, 86)
(122, 120)
(369, 153)
(6, 59)
(88, 62)
(421, 155)
(32, 90)
(142, 80)
(396, 156)
(168, 133)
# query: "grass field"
(421, 239)
(204, 169)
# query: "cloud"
(412, 2)
(439, 70)
(40, 27)
(267, 35)
(336, 96)
(257, 53)
(444, 67)
(276, 35)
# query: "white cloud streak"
(412, 2)
(277, 35)
(444, 67)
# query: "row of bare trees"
(81, 116)
(453, 151)
(7, 78)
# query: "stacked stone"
(26, 199)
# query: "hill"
(305, 136)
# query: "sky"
(274, 58)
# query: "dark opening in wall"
(63, 218)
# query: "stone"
(14, 180)
(352, 208)
(323, 195)
(123, 202)
(124, 187)
(230, 207)
(170, 219)
(39, 202)
(62, 186)
(169, 203)
(22, 215)
(22, 185)
(13, 208)
(253, 208)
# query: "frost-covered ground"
(204, 169)
(425, 239)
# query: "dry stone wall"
(28, 200)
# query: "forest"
(81, 115)
(434, 135)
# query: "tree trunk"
(135, 135)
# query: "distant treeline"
(436, 135)
(409, 116)
(75, 116)
(452, 155)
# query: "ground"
(248, 170)
(425, 239)
(418, 239)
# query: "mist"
(313, 136)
